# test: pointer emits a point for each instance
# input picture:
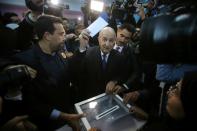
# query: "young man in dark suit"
(131, 71)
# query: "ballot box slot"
(107, 112)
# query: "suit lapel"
(124, 50)
(98, 59)
(110, 60)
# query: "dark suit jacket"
(50, 89)
(94, 77)
(131, 67)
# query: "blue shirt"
(172, 73)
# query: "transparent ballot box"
(108, 113)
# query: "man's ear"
(118, 29)
(98, 38)
(47, 36)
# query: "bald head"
(107, 30)
(107, 38)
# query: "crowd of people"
(63, 68)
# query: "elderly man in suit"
(100, 65)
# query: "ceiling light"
(96, 5)
(55, 2)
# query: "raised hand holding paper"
(96, 26)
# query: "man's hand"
(72, 119)
(11, 124)
(32, 72)
(19, 123)
(111, 87)
(29, 126)
(142, 13)
(139, 113)
(70, 36)
(131, 96)
(84, 39)
(119, 89)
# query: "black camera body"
(123, 10)
(14, 76)
(170, 38)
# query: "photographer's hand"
(70, 36)
(139, 113)
(142, 13)
(32, 72)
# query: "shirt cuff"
(125, 86)
(162, 84)
(82, 50)
(55, 114)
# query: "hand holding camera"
(17, 74)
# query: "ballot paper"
(96, 26)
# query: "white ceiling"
(75, 5)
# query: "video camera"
(171, 38)
(124, 10)
(14, 75)
(121, 11)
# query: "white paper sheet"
(96, 26)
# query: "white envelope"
(96, 26)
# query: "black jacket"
(94, 78)
(50, 89)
